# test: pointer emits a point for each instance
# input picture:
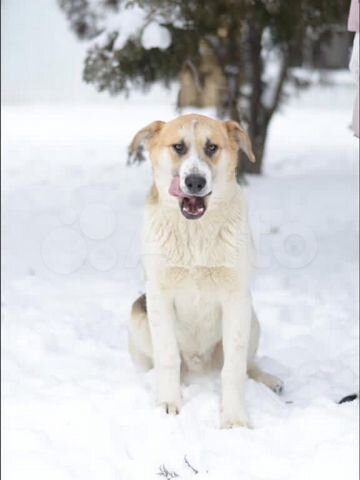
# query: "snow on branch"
(112, 23)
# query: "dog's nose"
(195, 183)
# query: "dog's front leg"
(166, 356)
(236, 322)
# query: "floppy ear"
(239, 136)
(141, 141)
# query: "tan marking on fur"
(139, 306)
(139, 337)
(239, 139)
(159, 137)
(144, 136)
(182, 128)
(153, 196)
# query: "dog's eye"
(179, 148)
(210, 149)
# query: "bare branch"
(188, 464)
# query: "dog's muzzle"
(192, 203)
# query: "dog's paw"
(227, 424)
(271, 381)
(172, 409)
(234, 420)
(169, 398)
(276, 385)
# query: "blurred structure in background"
(235, 55)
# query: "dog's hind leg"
(267, 379)
(140, 344)
(253, 370)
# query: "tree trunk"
(256, 115)
(259, 114)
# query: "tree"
(135, 43)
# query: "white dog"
(198, 257)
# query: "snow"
(74, 405)
(155, 36)
(127, 22)
(133, 21)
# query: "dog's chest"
(198, 317)
(204, 249)
(189, 245)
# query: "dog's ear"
(141, 141)
(239, 137)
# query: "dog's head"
(194, 159)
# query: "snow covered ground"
(74, 406)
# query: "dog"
(198, 256)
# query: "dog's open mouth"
(191, 206)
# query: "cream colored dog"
(198, 257)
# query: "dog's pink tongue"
(175, 189)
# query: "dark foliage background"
(240, 33)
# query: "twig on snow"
(188, 464)
(164, 472)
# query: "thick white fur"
(198, 303)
